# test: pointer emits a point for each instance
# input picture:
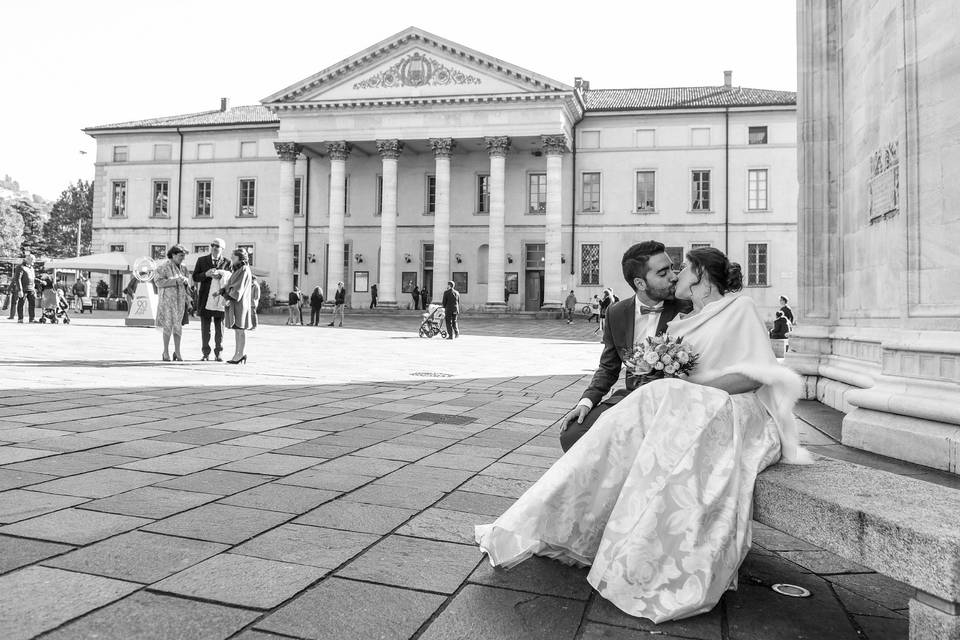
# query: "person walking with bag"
(451, 309)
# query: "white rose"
(651, 358)
(666, 359)
(658, 366)
(682, 357)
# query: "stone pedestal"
(933, 619)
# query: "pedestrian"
(210, 272)
(424, 298)
(15, 289)
(780, 327)
(568, 306)
(174, 284)
(295, 306)
(79, 292)
(27, 289)
(339, 302)
(254, 299)
(605, 301)
(416, 297)
(238, 303)
(373, 296)
(786, 310)
(506, 296)
(316, 304)
(451, 309)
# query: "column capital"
(554, 144)
(288, 150)
(389, 149)
(497, 145)
(442, 147)
(339, 150)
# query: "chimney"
(581, 84)
(224, 104)
(728, 78)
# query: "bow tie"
(644, 309)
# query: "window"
(249, 249)
(460, 281)
(119, 209)
(757, 265)
(483, 264)
(158, 251)
(536, 253)
(701, 191)
(757, 135)
(431, 199)
(162, 152)
(646, 138)
(204, 198)
(117, 248)
(537, 201)
(590, 264)
(590, 193)
(201, 248)
(248, 149)
(379, 187)
(161, 199)
(590, 139)
(757, 190)
(248, 197)
(205, 151)
(700, 137)
(428, 256)
(699, 245)
(297, 196)
(120, 153)
(483, 193)
(646, 191)
(296, 257)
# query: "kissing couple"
(655, 489)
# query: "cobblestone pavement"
(141, 499)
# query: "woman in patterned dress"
(173, 283)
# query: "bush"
(103, 289)
(266, 296)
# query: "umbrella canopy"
(113, 261)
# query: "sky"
(66, 65)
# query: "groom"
(649, 271)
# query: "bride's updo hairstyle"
(725, 275)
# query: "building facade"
(419, 161)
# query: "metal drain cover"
(791, 590)
(441, 418)
(431, 374)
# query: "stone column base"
(384, 304)
(933, 623)
(495, 306)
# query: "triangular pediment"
(415, 64)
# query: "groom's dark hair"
(635, 260)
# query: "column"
(554, 146)
(389, 151)
(288, 152)
(442, 150)
(338, 152)
(497, 147)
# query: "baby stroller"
(433, 322)
(54, 305)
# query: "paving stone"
(506, 487)
(301, 544)
(485, 613)
(356, 516)
(362, 466)
(74, 526)
(859, 605)
(22, 504)
(37, 599)
(478, 503)
(28, 434)
(225, 452)
(258, 441)
(281, 497)
(539, 575)
(347, 610)
(513, 471)
(68, 464)
(417, 475)
(175, 464)
(12, 479)
(138, 556)
(19, 552)
(706, 626)
(454, 461)
(10, 455)
(145, 448)
(242, 580)
(756, 612)
(883, 628)
(216, 482)
(415, 563)
(219, 523)
(597, 631)
(823, 562)
(271, 464)
(151, 502)
(317, 450)
(203, 435)
(883, 590)
(391, 496)
(253, 634)
(154, 616)
(101, 483)
(442, 524)
(329, 480)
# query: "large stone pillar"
(389, 151)
(497, 147)
(338, 152)
(288, 152)
(554, 146)
(442, 150)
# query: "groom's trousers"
(576, 431)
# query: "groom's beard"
(661, 295)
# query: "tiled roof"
(684, 98)
(250, 114)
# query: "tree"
(11, 231)
(74, 205)
(32, 218)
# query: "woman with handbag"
(173, 283)
(237, 293)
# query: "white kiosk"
(143, 308)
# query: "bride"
(657, 496)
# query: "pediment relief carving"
(417, 70)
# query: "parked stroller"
(432, 324)
(54, 306)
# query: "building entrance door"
(533, 290)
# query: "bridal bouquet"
(661, 357)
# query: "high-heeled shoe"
(165, 357)
(177, 358)
(243, 360)
(204, 358)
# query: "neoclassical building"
(418, 161)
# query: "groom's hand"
(578, 413)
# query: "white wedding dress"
(657, 496)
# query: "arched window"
(483, 264)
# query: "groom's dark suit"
(204, 264)
(618, 337)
